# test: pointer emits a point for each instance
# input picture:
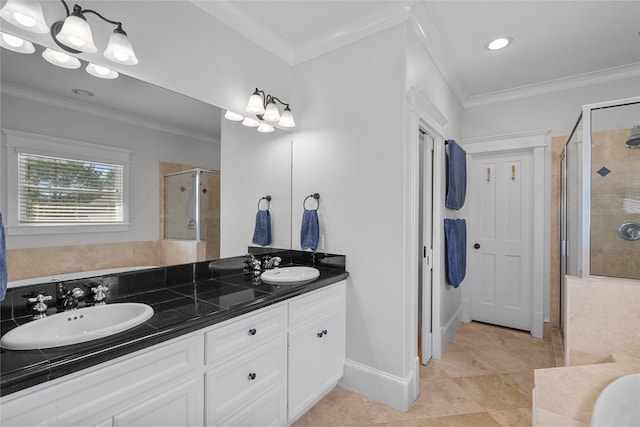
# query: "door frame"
(422, 114)
(536, 142)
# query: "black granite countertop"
(184, 298)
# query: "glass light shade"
(101, 72)
(286, 119)
(272, 113)
(76, 33)
(234, 117)
(255, 105)
(61, 59)
(25, 14)
(16, 44)
(265, 128)
(120, 49)
(249, 122)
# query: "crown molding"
(230, 15)
(379, 19)
(565, 83)
(109, 113)
(422, 24)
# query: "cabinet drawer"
(245, 334)
(309, 307)
(269, 409)
(233, 384)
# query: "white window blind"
(63, 191)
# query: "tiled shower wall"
(615, 200)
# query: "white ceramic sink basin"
(290, 275)
(77, 326)
(618, 404)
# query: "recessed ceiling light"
(499, 43)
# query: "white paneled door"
(501, 235)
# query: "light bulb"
(16, 44)
(101, 72)
(120, 49)
(265, 128)
(61, 59)
(286, 119)
(234, 117)
(249, 122)
(25, 14)
(76, 34)
(500, 43)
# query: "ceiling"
(556, 43)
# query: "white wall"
(149, 147)
(349, 148)
(557, 111)
(254, 165)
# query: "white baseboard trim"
(394, 391)
(450, 328)
(537, 325)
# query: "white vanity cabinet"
(316, 347)
(262, 368)
(161, 385)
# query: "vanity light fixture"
(16, 44)
(249, 122)
(499, 43)
(74, 33)
(265, 108)
(265, 128)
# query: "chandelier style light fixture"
(73, 36)
(265, 109)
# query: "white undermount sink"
(290, 275)
(617, 404)
(76, 326)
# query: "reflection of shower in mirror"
(634, 138)
(191, 205)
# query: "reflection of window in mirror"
(82, 187)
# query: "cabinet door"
(303, 374)
(331, 350)
(178, 405)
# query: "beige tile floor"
(485, 378)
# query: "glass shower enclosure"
(600, 194)
(192, 208)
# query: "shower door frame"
(586, 175)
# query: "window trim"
(30, 143)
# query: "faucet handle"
(39, 298)
(38, 303)
(99, 293)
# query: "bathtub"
(73, 276)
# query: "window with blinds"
(54, 190)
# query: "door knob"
(476, 246)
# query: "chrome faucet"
(39, 302)
(272, 262)
(68, 300)
(100, 294)
(253, 264)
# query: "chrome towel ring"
(268, 199)
(315, 196)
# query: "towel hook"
(268, 199)
(315, 196)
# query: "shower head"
(634, 138)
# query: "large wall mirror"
(161, 127)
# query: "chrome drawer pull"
(252, 331)
(252, 376)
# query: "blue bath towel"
(3, 262)
(262, 232)
(455, 233)
(310, 230)
(456, 176)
